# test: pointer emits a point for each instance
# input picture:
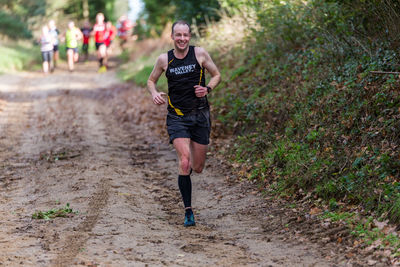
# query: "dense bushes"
(13, 27)
(307, 114)
(19, 56)
(156, 14)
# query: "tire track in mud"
(14, 119)
(75, 242)
(52, 126)
(94, 137)
(224, 235)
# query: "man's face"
(181, 36)
(100, 18)
(52, 24)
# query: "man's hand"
(158, 98)
(200, 91)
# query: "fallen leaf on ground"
(314, 211)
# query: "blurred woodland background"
(301, 109)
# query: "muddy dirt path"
(69, 138)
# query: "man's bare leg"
(190, 155)
(101, 53)
(55, 59)
(45, 66)
(70, 59)
(76, 57)
(182, 147)
(198, 156)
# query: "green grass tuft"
(53, 213)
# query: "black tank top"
(183, 75)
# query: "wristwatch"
(208, 89)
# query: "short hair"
(180, 22)
(100, 15)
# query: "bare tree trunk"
(85, 6)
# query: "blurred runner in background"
(86, 30)
(125, 28)
(109, 36)
(72, 35)
(54, 32)
(46, 47)
(98, 32)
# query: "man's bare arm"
(79, 34)
(213, 70)
(153, 78)
(209, 65)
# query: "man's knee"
(198, 168)
(185, 164)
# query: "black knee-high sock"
(101, 61)
(185, 186)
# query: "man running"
(98, 31)
(86, 30)
(54, 32)
(188, 119)
(125, 27)
(109, 36)
(46, 47)
(72, 35)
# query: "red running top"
(99, 30)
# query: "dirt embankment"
(86, 139)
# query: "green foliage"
(18, 56)
(365, 229)
(54, 213)
(124, 56)
(75, 8)
(340, 216)
(157, 14)
(307, 114)
(140, 78)
(233, 6)
(140, 70)
(13, 27)
(24, 9)
(14, 16)
(18, 17)
(198, 11)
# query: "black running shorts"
(98, 45)
(47, 55)
(75, 49)
(196, 126)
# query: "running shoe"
(189, 218)
(102, 69)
